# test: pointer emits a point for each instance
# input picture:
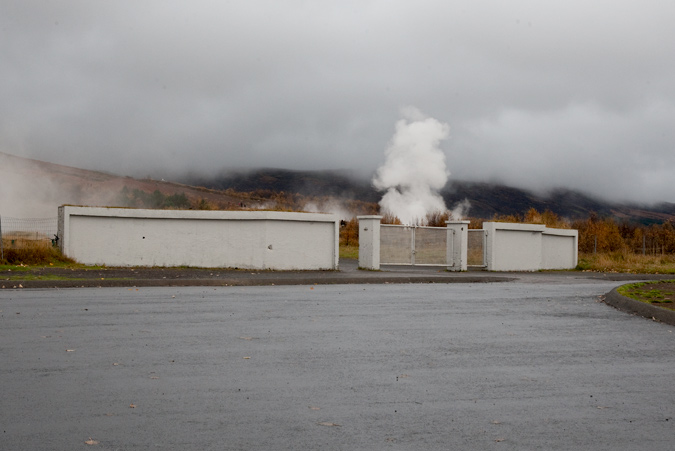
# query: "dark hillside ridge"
(309, 183)
(487, 199)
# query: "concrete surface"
(536, 363)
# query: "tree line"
(605, 234)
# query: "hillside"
(33, 188)
(339, 184)
(486, 199)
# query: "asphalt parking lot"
(531, 364)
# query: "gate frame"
(369, 243)
(485, 253)
(413, 239)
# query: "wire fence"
(20, 233)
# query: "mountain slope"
(33, 188)
(486, 199)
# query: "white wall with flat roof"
(232, 239)
(529, 247)
(559, 249)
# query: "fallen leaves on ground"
(91, 441)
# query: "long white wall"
(529, 247)
(242, 239)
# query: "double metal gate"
(415, 245)
(430, 246)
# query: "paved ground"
(534, 363)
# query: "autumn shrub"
(599, 235)
(627, 262)
(548, 218)
(40, 252)
(437, 218)
(390, 218)
(349, 232)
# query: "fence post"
(458, 235)
(2, 246)
(644, 244)
(369, 242)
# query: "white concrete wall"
(559, 249)
(369, 241)
(529, 247)
(242, 239)
(458, 243)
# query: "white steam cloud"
(460, 211)
(414, 170)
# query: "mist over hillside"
(486, 199)
(34, 188)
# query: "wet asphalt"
(537, 362)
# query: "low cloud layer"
(538, 95)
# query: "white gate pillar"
(369, 242)
(458, 242)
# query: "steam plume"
(414, 170)
(460, 211)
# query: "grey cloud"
(538, 94)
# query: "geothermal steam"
(414, 170)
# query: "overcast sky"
(537, 94)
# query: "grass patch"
(32, 253)
(660, 293)
(349, 251)
(627, 262)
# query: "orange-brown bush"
(349, 232)
(389, 218)
(605, 235)
(437, 218)
(32, 253)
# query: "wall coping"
(514, 226)
(117, 212)
(561, 232)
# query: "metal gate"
(476, 252)
(415, 245)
